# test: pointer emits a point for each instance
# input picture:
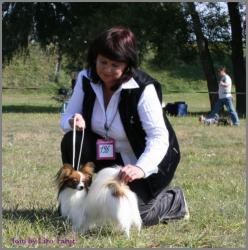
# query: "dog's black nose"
(80, 187)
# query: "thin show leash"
(74, 145)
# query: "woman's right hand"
(79, 120)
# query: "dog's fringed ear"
(88, 169)
(63, 173)
(67, 167)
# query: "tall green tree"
(238, 57)
(17, 25)
(71, 26)
(205, 56)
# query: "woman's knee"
(66, 139)
(168, 205)
(66, 148)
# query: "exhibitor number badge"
(105, 149)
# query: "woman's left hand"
(130, 173)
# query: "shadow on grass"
(29, 109)
(223, 114)
(198, 113)
(48, 218)
(193, 114)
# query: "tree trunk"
(58, 64)
(205, 55)
(237, 57)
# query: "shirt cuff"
(147, 168)
(66, 127)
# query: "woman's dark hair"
(117, 44)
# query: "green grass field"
(211, 173)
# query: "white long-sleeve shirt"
(150, 113)
(225, 91)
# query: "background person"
(225, 98)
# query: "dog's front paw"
(75, 229)
(84, 230)
(81, 229)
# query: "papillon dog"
(110, 200)
(107, 200)
(73, 187)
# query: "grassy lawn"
(211, 173)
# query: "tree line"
(172, 31)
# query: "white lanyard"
(106, 125)
(74, 146)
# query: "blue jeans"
(230, 109)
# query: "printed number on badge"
(105, 149)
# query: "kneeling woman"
(119, 108)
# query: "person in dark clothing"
(119, 107)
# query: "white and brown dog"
(108, 200)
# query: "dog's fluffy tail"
(119, 189)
